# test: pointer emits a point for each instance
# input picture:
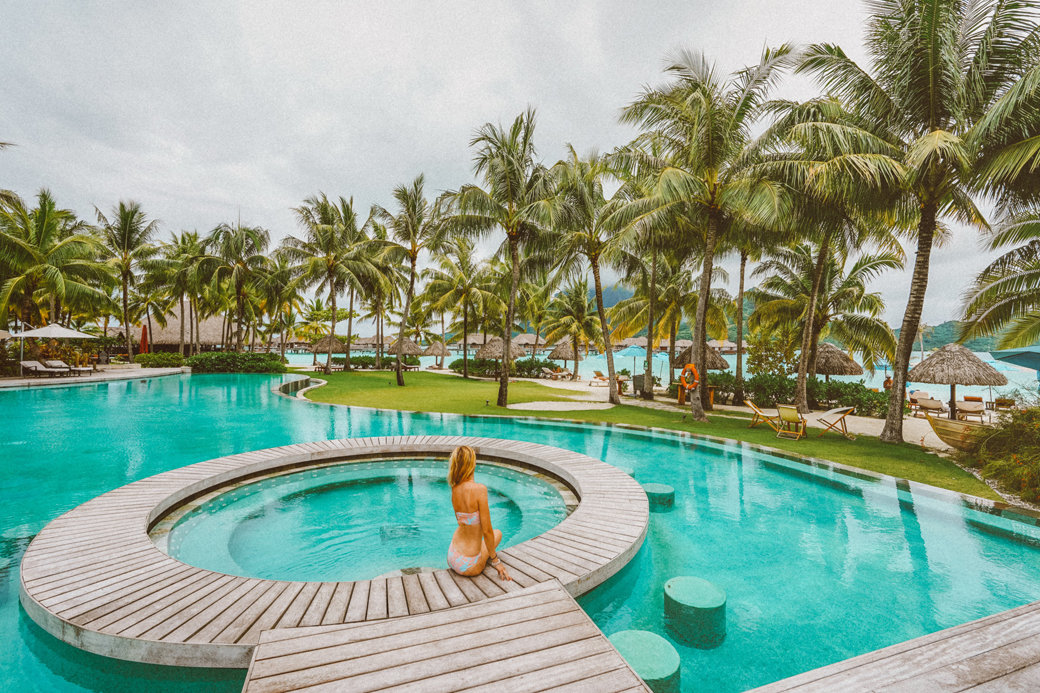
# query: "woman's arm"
(488, 533)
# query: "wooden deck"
(535, 639)
(996, 653)
(94, 578)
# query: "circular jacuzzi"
(351, 521)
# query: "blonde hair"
(463, 464)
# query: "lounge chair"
(930, 406)
(564, 374)
(915, 397)
(792, 423)
(834, 420)
(75, 370)
(1003, 403)
(599, 379)
(548, 373)
(970, 408)
(37, 368)
(761, 417)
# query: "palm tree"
(515, 198)
(417, 226)
(281, 297)
(46, 254)
(458, 283)
(1005, 298)
(176, 270)
(572, 317)
(127, 244)
(235, 257)
(844, 310)
(942, 75)
(586, 235)
(703, 123)
(332, 256)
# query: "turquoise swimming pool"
(818, 567)
(352, 521)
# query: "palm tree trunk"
(180, 349)
(608, 351)
(465, 339)
(672, 331)
(738, 382)
(574, 375)
(404, 322)
(332, 325)
(700, 352)
(379, 337)
(893, 430)
(444, 342)
(350, 330)
(648, 372)
(126, 322)
(801, 399)
(151, 333)
(507, 338)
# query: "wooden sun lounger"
(75, 370)
(970, 408)
(599, 379)
(761, 417)
(37, 368)
(930, 406)
(834, 420)
(792, 423)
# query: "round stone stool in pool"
(660, 495)
(695, 611)
(652, 657)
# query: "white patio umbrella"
(51, 331)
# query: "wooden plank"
(602, 672)
(434, 595)
(291, 617)
(270, 616)
(450, 590)
(337, 611)
(316, 610)
(466, 586)
(377, 606)
(396, 603)
(413, 594)
(357, 609)
(979, 669)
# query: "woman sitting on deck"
(475, 540)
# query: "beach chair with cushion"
(792, 423)
(1003, 403)
(930, 406)
(916, 396)
(75, 370)
(564, 374)
(760, 416)
(37, 368)
(834, 420)
(548, 373)
(599, 379)
(971, 409)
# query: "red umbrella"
(144, 339)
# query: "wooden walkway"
(996, 653)
(533, 640)
(94, 578)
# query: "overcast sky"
(204, 111)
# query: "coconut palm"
(280, 290)
(127, 241)
(46, 255)
(458, 283)
(236, 260)
(703, 123)
(588, 236)
(334, 254)
(572, 316)
(417, 226)
(941, 75)
(844, 311)
(515, 197)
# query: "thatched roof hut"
(714, 359)
(329, 345)
(955, 365)
(830, 360)
(633, 341)
(526, 339)
(564, 351)
(210, 331)
(493, 350)
(437, 349)
(407, 348)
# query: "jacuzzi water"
(818, 566)
(352, 521)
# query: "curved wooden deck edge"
(94, 579)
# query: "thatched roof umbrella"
(407, 348)
(493, 350)
(713, 359)
(955, 365)
(329, 345)
(564, 351)
(439, 350)
(830, 360)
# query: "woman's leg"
(478, 568)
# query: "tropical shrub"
(477, 367)
(234, 362)
(160, 359)
(768, 389)
(1009, 452)
(531, 367)
(369, 361)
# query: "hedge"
(368, 361)
(160, 359)
(521, 368)
(233, 362)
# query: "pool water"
(818, 567)
(352, 521)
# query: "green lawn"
(435, 392)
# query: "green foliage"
(772, 352)
(160, 359)
(234, 362)
(483, 368)
(1009, 452)
(488, 368)
(530, 367)
(369, 361)
(768, 389)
